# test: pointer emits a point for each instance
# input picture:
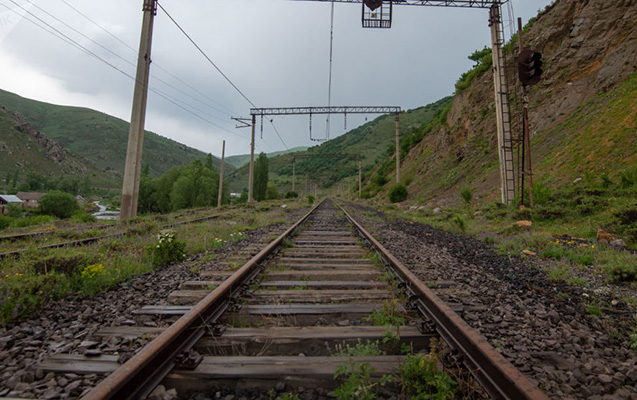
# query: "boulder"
(604, 237)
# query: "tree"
(398, 193)
(271, 193)
(260, 177)
(16, 174)
(58, 203)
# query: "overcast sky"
(275, 51)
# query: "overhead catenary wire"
(329, 85)
(158, 66)
(213, 64)
(206, 56)
(60, 35)
(124, 59)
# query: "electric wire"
(279, 135)
(124, 59)
(205, 55)
(213, 64)
(329, 85)
(69, 40)
(158, 66)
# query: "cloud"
(276, 52)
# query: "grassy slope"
(370, 140)
(27, 156)
(241, 160)
(98, 136)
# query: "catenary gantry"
(440, 3)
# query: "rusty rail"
(139, 375)
(498, 376)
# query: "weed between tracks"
(38, 276)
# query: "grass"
(39, 276)
(565, 224)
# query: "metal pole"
(132, 169)
(360, 178)
(251, 178)
(397, 150)
(223, 156)
(525, 130)
(503, 114)
(293, 173)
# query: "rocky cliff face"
(35, 141)
(589, 48)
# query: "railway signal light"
(373, 4)
(529, 67)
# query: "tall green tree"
(260, 186)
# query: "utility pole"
(251, 178)
(360, 178)
(223, 156)
(502, 110)
(525, 131)
(293, 172)
(397, 149)
(133, 167)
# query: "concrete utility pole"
(360, 178)
(503, 113)
(525, 131)
(223, 156)
(132, 170)
(293, 173)
(397, 150)
(251, 178)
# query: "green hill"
(240, 160)
(27, 154)
(99, 137)
(372, 141)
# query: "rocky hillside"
(583, 113)
(99, 137)
(24, 149)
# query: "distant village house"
(6, 199)
(30, 199)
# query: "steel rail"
(497, 375)
(140, 374)
(82, 242)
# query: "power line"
(131, 48)
(64, 37)
(205, 55)
(329, 85)
(277, 133)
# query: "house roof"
(9, 198)
(29, 195)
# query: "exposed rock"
(524, 224)
(618, 244)
(604, 237)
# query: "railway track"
(277, 320)
(90, 240)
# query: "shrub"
(310, 199)
(5, 221)
(167, 248)
(271, 192)
(58, 203)
(379, 180)
(467, 195)
(398, 193)
(420, 378)
(291, 195)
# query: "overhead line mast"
(378, 14)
